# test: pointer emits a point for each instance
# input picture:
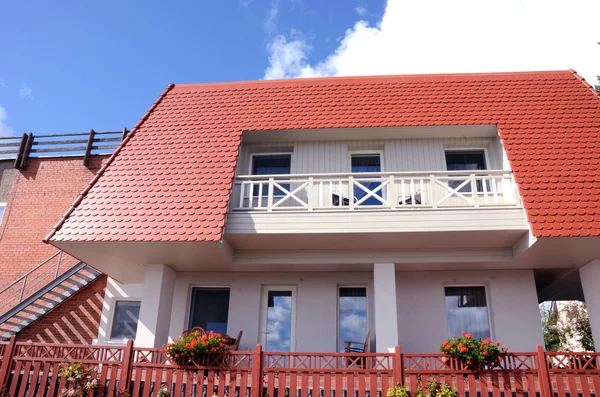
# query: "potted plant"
(474, 354)
(198, 349)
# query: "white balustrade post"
(474, 190)
(386, 313)
(350, 192)
(310, 193)
(155, 310)
(432, 197)
(392, 192)
(270, 195)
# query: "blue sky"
(68, 66)
(74, 65)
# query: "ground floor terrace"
(29, 369)
(320, 311)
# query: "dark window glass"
(210, 309)
(125, 320)
(466, 310)
(352, 315)
(271, 164)
(465, 161)
(366, 163)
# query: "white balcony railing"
(375, 191)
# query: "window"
(469, 160)
(466, 310)
(271, 164)
(210, 309)
(2, 208)
(367, 162)
(352, 315)
(125, 319)
(278, 318)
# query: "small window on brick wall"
(2, 208)
(125, 320)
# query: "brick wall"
(39, 196)
(74, 321)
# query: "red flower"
(506, 349)
(497, 343)
(463, 333)
(485, 352)
(468, 362)
(464, 349)
(468, 335)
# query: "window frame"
(366, 152)
(337, 298)
(251, 168)
(487, 301)
(112, 318)
(263, 312)
(190, 307)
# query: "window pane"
(279, 321)
(366, 163)
(2, 208)
(210, 309)
(125, 320)
(352, 315)
(466, 310)
(271, 165)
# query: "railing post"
(270, 195)
(392, 192)
(126, 365)
(398, 367)
(434, 204)
(310, 193)
(22, 290)
(350, 193)
(58, 265)
(6, 366)
(474, 192)
(543, 373)
(257, 373)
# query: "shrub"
(79, 380)
(474, 353)
(432, 389)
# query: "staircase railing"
(34, 279)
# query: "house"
(402, 209)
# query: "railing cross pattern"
(371, 193)
(290, 194)
(454, 192)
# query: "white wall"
(316, 304)
(115, 291)
(512, 301)
(398, 154)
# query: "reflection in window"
(466, 310)
(470, 160)
(125, 320)
(210, 309)
(2, 208)
(352, 307)
(279, 321)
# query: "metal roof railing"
(84, 144)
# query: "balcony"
(401, 191)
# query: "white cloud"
(440, 36)
(360, 10)
(3, 84)
(25, 92)
(271, 20)
(5, 130)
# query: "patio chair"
(407, 200)
(236, 345)
(200, 330)
(357, 347)
(345, 200)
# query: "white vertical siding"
(398, 154)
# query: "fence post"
(7, 359)
(126, 365)
(398, 367)
(543, 374)
(257, 373)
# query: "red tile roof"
(170, 179)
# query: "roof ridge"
(108, 162)
(585, 83)
(363, 78)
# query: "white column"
(386, 313)
(590, 282)
(155, 310)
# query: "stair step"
(39, 306)
(8, 322)
(27, 320)
(59, 294)
(54, 302)
(31, 312)
(85, 277)
(77, 283)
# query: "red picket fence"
(29, 369)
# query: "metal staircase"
(40, 290)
